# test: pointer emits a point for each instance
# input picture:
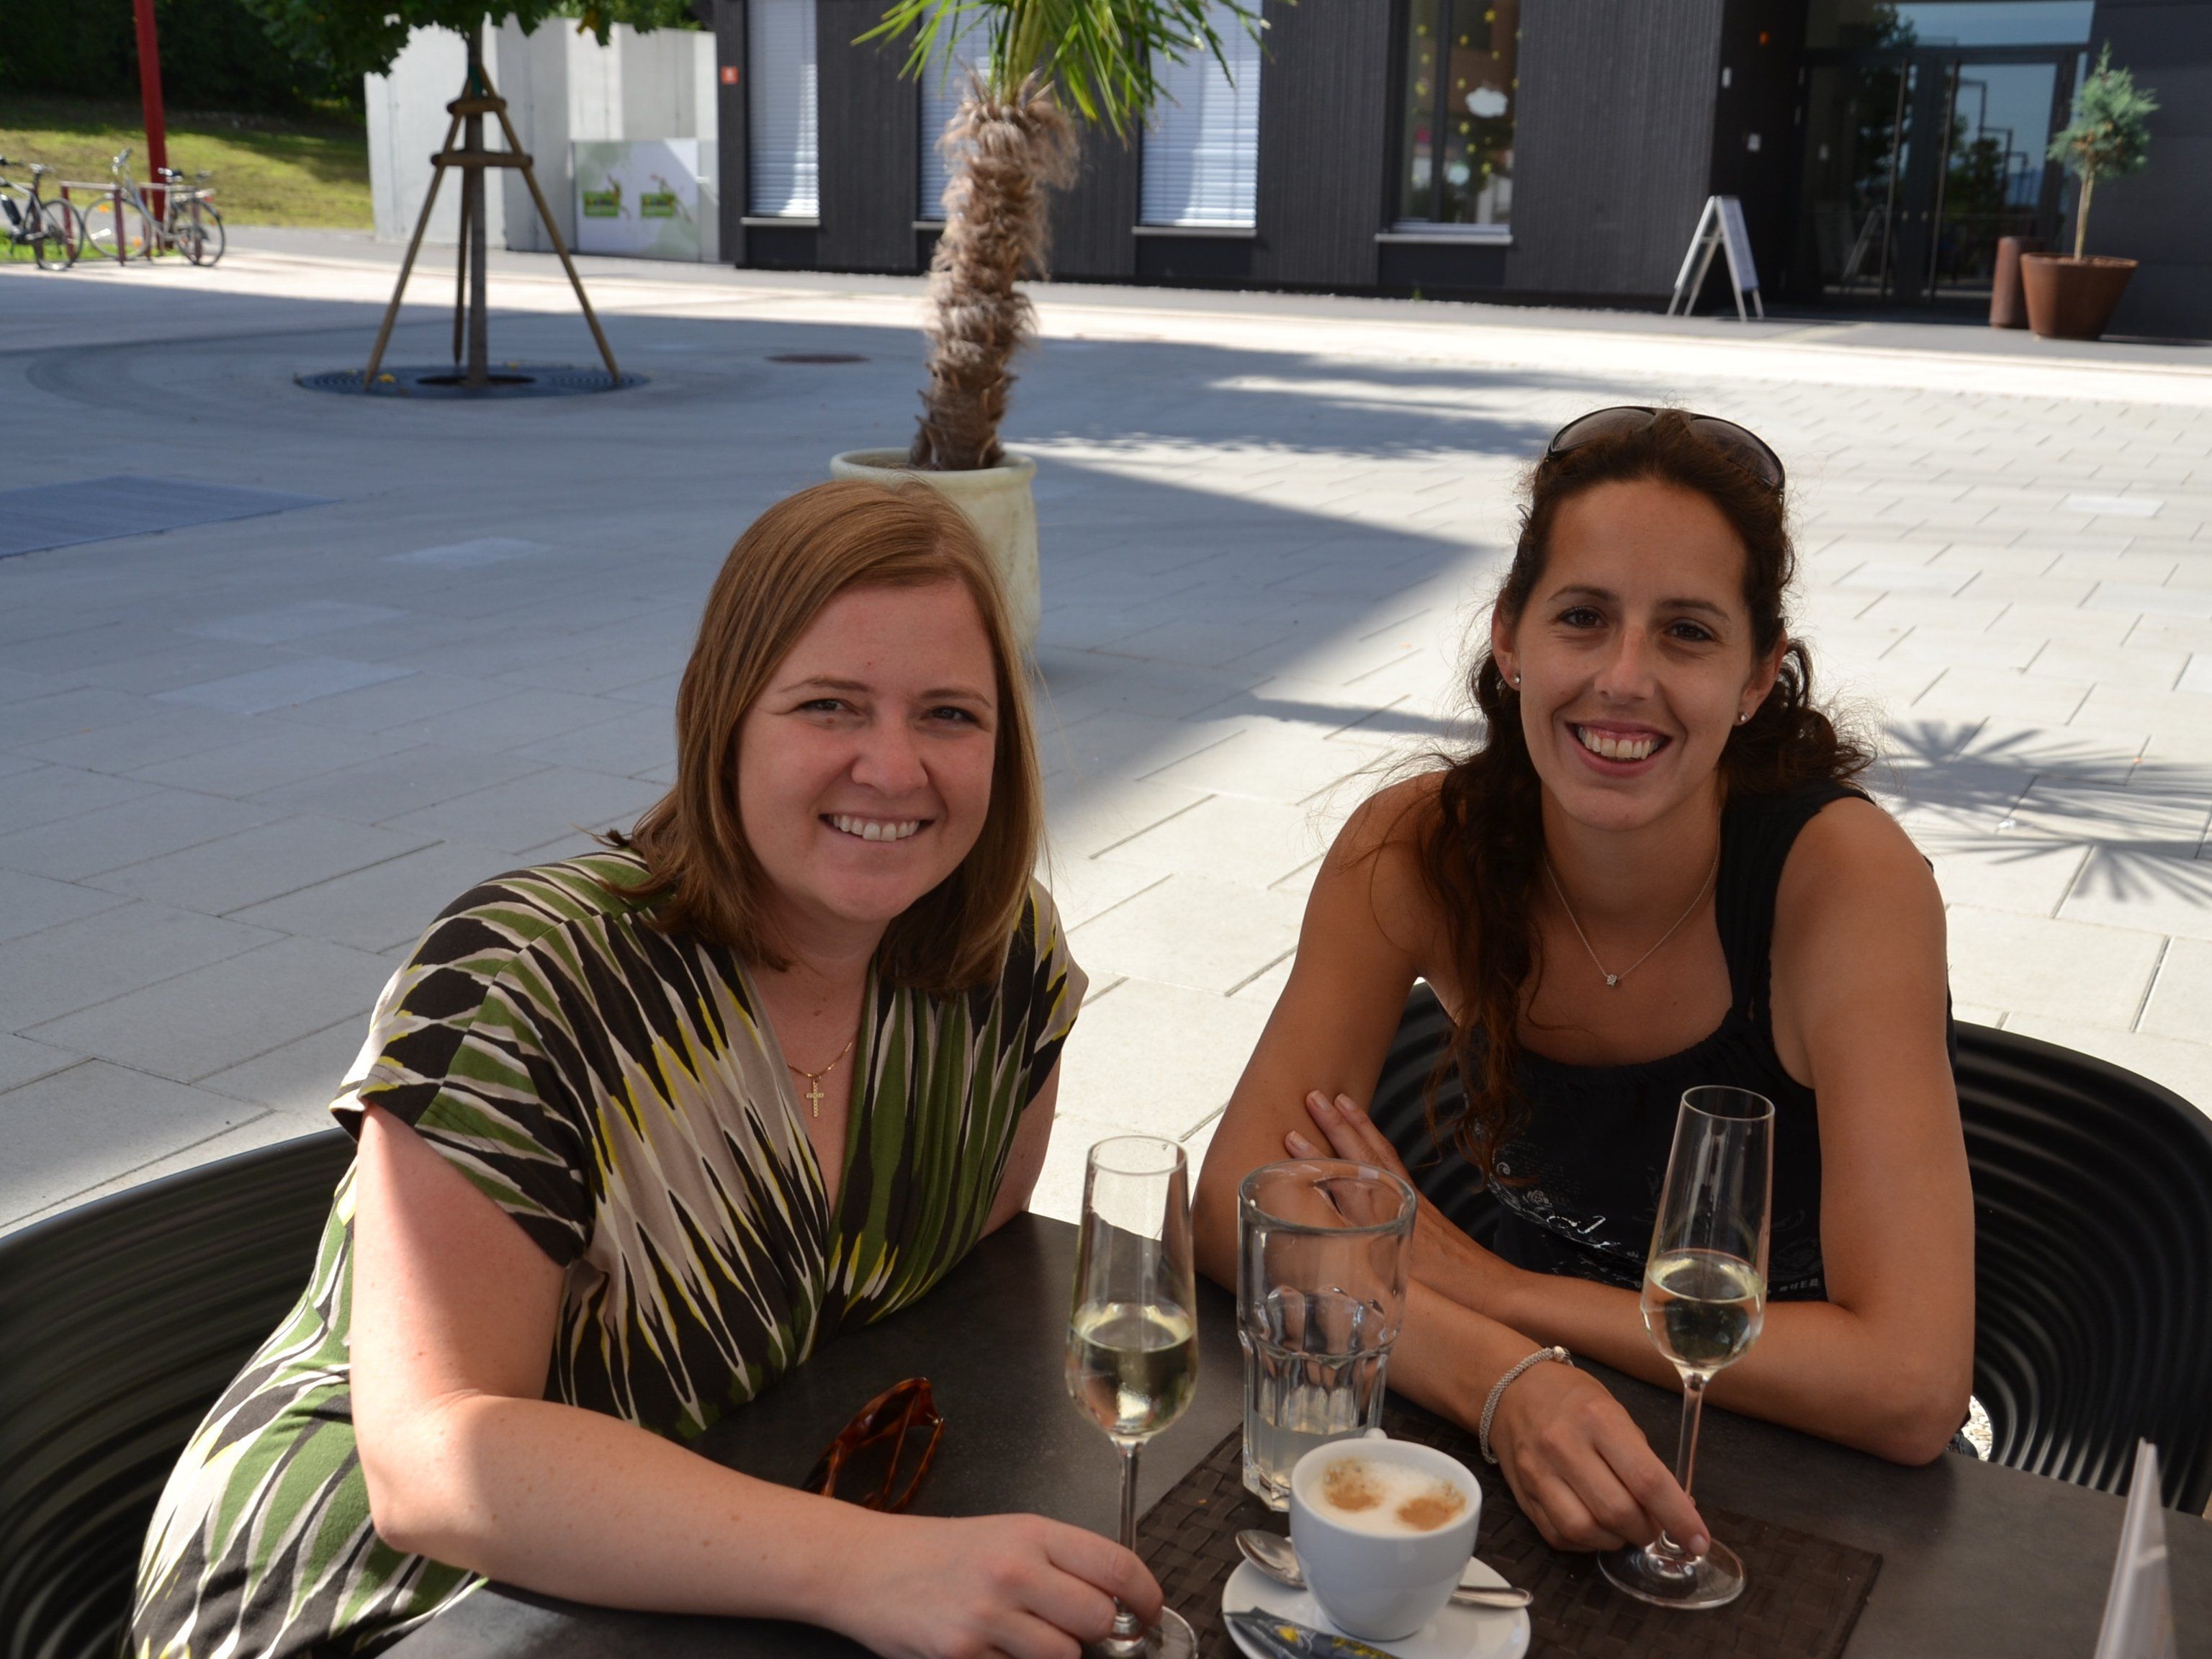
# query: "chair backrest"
(2092, 1250)
(120, 1322)
(2092, 1265)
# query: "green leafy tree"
(1011, 141)
(2109, 136)
(362, 37)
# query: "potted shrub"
(1010, 142)
(2073, 299)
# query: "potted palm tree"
(2074, 299)
(1011, 141)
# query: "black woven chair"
(2092, 1251)
(119, 1323)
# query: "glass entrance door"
(1994, 180)
(1926, 124)
(1915, 163)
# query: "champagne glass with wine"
(1704, 1300)
(1133, 1334)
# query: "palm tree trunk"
(1008, 153)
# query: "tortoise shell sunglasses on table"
(881, 1430)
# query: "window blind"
(783, 148)
(1201, 159)
(942, 87)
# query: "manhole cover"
(816, 357)
(444, 381)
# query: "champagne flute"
(1133, 1334)
(1704, 1300)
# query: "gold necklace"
(814, 1095)
(1613, 980)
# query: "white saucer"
(1457, 1633)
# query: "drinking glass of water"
(1704, 1300)
(1133, 1334)
(1322, 1257)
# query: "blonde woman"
(641, 1129)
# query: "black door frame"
(1916, 207)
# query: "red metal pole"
(149, 94)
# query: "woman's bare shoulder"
(1853, 842)
(1381, 850)
(1853, 874)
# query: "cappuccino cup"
(1383, 1529)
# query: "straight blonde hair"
(702, 874)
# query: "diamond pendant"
(1613, 978)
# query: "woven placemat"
(1804, 1596)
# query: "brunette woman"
(640, 1130)
(1652, 871)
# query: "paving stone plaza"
(243, 763)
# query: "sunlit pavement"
(242, 764)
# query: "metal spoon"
(1273, 1556)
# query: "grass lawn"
(268, 170)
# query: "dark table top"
(1976, 1558)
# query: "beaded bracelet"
(1498, 1390)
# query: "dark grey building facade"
(1552, 150)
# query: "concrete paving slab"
(149, 823)
(71, 1130)
(22, 1060)
(218, 876)
(1188, 930)
(383, 905)
(190, 1025)
(527, 811)
(2065, 970)
(75, 965)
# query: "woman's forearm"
(1816, 1366)
(577, 1504)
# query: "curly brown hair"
(1480, 848)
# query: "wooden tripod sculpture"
(477, 100)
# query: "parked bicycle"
(120, 224)
(50, 229)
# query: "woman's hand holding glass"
(1581, 1469)
(1016, 1586)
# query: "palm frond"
(1098, 55)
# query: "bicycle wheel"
(114, 231)
(56, 236)
(199, 232)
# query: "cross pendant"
(814, 1095)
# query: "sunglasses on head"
(1741, 445)
(883, 1454)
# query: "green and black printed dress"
(614, 1090)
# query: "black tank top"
(1577, 1185)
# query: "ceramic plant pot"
(2070, 299)
(997, 502)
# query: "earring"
(1517, 682)
(1741, 719)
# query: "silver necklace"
(1613, 980)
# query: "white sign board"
(638, 196)
(1719, 227)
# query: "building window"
(1202, 158)
(944, 84)
(783, 148)
(1457, 157)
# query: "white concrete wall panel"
(562, 86)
